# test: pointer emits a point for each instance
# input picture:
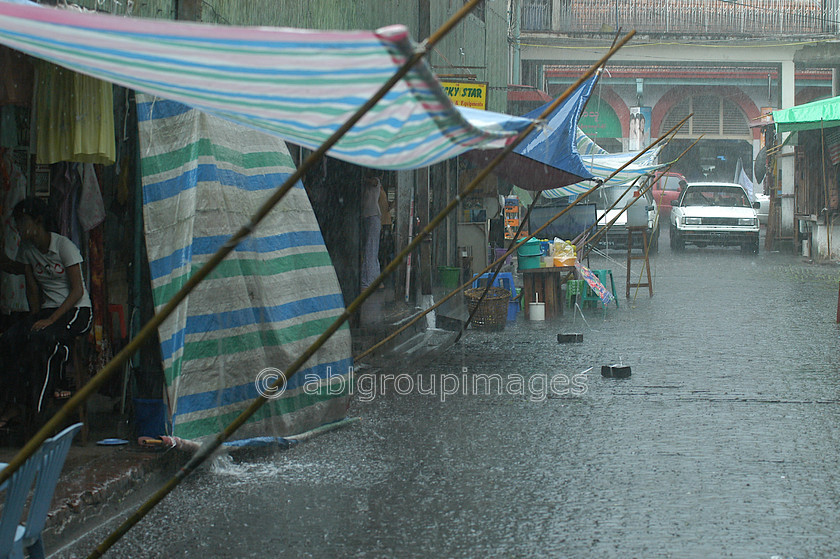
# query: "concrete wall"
(820, 241)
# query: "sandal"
(61, 394)
(7, 422)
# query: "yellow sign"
(467, 94)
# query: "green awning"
(824, 113)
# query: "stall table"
(548, 284)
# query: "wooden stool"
(649, 283)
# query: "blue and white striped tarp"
(602, 164)
(301, 85)
(203, 179)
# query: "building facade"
(726, 63)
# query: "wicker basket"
(492, 313)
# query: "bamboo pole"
(211, 445)
(658, 217)
(149, 329)
(827, 205)
(514, 247)
(498, 268)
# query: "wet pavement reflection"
(724, 442)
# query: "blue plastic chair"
(503, 280)
(17, 490)
(53, 454)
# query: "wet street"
(724, 442)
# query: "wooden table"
(548, 284)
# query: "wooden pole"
(838, 304)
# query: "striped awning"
(602, 164)
(300, 85)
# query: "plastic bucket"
(149, 417)
(530, 248)
(449, 276)
(536, 311)
(529, 262)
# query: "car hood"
(717, 211)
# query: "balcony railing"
(694, 17)
(536, 15)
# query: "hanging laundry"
(91, 210)
(75, 117)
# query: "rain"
(424, 280)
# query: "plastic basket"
(492, 313)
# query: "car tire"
(751, 246)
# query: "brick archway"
(677, 94)
(622, 112)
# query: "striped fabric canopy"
(203, 177)
(602, 164)
(300, 85)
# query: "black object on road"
(615, 371)
(573, 338)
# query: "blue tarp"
(548, 157)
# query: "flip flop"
(8, 422)
(62, 394)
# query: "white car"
(763, 210)
(714, 213)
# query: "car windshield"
(670, 183)
(725, 196)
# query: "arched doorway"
(601, 123)
(727, 138)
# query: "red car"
(666, 188)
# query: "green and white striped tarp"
(203, 178)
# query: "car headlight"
(692, 221)
(748, 221)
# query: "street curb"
(133, 470)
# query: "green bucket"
(450, 277)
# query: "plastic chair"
(574, 288)
(589, 295)
(17, 490)
(53, 454)
(503, 280)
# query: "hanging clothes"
(12, 191)
(91, 210)
(65, 184)
(75, 117)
